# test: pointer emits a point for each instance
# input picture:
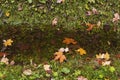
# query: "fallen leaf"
(88, 13)
(12, 62)
(81, 51)
(60, 1)
(105, 56)
(90, 26)
(5, 60)
(62, 58)
(59, 56)
(20, 7)
(116, 17)
(81, 78)
(94, 11)
(98, 24)
(2, 54)
(27, 72)
(7, 14)
(105, 63)
(7, 42)
(46, 67)
(69, 41)
(54, 21)
(63, 50)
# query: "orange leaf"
(59, 56)
(90, 26)
(62, 58)
(69, 41)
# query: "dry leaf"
(105, 56)
(81, 51)
(94, 11)
(63, 50)
(46, 67)
(59, 56)
(98, 24)
(7, 42)
(12, 62)
(62, 58)
(2, 54)
(60, 1)
(90, 26)
(20, 7)
(27, 72)
(5, 60)
(116, 17)
(54, 21)
(88, 13)
(105, 63)
(69, 41)
(7, 14)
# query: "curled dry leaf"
(90, 26)
(94, 11)
(20, 7)
(46, 67)
(5, 60)
(88, 13)
(54, 21)
(60, 1)
(12, 62)
(98, 24)
(27, 72)
(81, 78)
(105, 63)
(63, 50)
(116, 17)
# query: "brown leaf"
(90, 26)
(2, 54)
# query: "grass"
(69, 70)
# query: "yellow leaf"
(107, 56)
(7, 14)
(81, 51)
(8, 42)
